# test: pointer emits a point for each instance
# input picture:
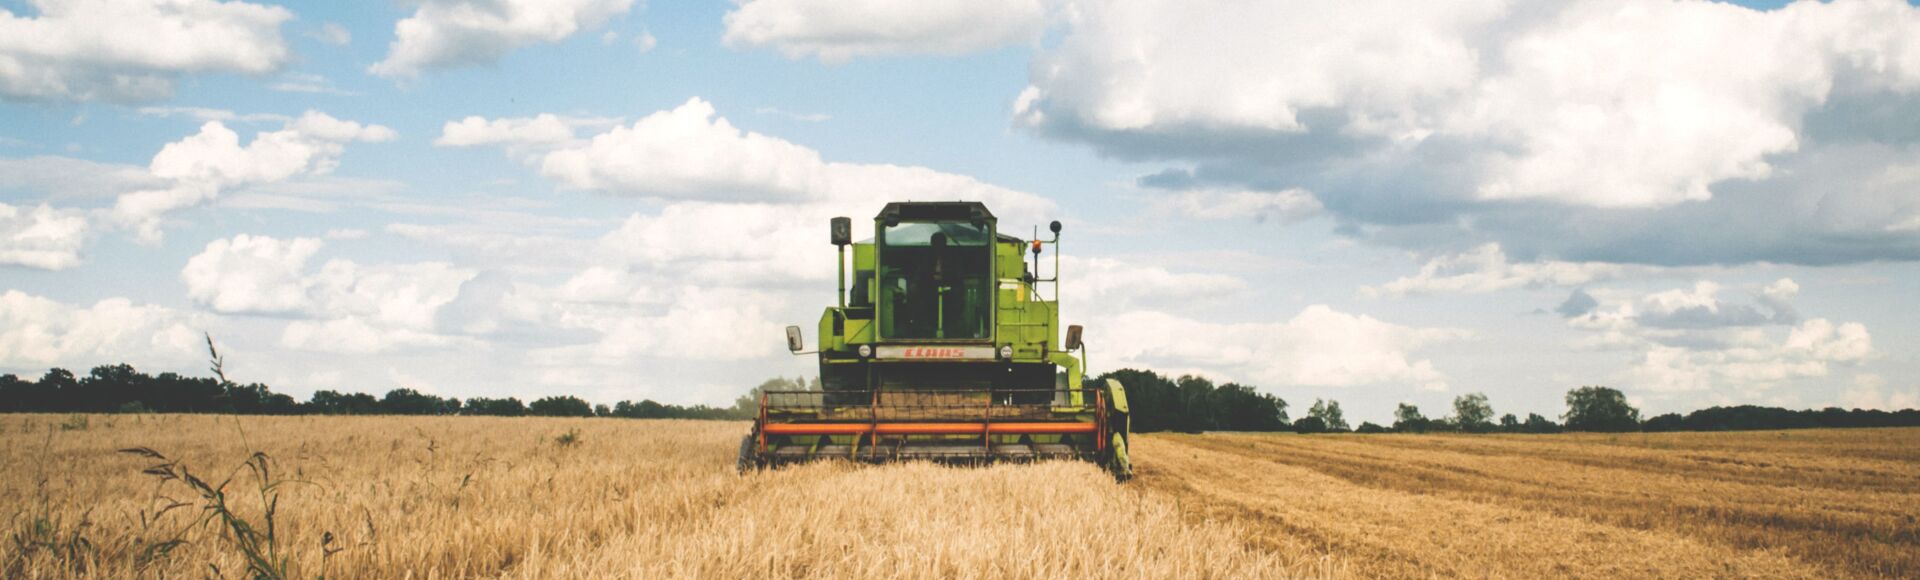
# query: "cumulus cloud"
(349, 307)
(1870, 391)
(251, 274)
(736, 322)
(41, 237)
(1690, 339)
(132, 50)
(771, 196)
(545, 130)
(204, 164)
(1486, 269)
(37, 332)
(1701, 307)
(521, 137)
(835, 31)
(1754, 360)
(1111, 285)
(1579, 127)
(1319, 347)
(451, 33)
(690, 153)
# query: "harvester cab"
(943, 350)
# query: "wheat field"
(356, 497)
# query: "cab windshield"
(934, 280)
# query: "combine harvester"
(944, 351)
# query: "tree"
(1472, 413)
(1602, 409)
(13, 394)
(1407, 419)
(508, 407)
(1239, 407)
(411, 402)
(1328, 412)
(560, 407)
(1369, 427)
(1310, 425)
(1509, 423)
(1538, 424)
(59, 389)
(1667, 422)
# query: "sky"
(1696, 203)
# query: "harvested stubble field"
(471, 496)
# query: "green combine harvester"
(944, 351)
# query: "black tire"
(746, 461)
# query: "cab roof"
(916, 211)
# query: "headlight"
(1006, 351)
(865, 351)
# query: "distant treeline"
(1158, 403)
(121, 389)
(1194, 404)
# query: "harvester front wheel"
(1120, 464)
(746, 462)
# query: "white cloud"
(1109, 285)
(449, 33)
(41, 237)
(332, 33)
(1753, 360)
(734, 325)
(308, 83)
(251, 274)
(771, 196)
(1689, 339)
(837, 30)
(763, 243)
(1600, 103)
(1486, 269)
(1260, 206)
(690, 153)
(203, 165)
(1319, 347)
(355, 335)
(352, 307)
(545, 130)
(645, 42)
(132, 50)
(38, 332)
(1869, 391)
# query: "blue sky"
(1696, 203)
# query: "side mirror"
(1055, 226)
(1073, 337)
(842, 231)
(794, 342)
